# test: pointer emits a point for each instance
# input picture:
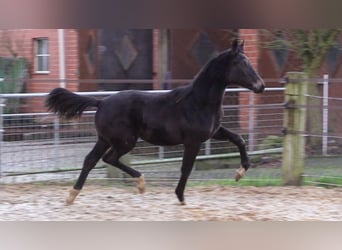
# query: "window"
(41, 47)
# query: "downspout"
(61, 54)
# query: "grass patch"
(243, 182)
(265, 182)
(325, 181)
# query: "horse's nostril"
(263, 89)
(260, 88)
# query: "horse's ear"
(242, 44)
(235, 46)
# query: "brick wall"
(72, 58)
(88, 42)
(156, 61)
(23, 44)
(250, 36)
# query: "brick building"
(56, 58)
(140, 58)
(81, 49)
(41, 49)
(132, 58)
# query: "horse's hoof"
(72, 196)
(140, 183)
(69, 201)
(239, 173)
(182, 203)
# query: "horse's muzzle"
(259, 87)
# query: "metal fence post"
(207, 145)
(161, 153)
(1, 127)
(251, 123)
(2, 104)
(294, 126)
(56, 128)
(56, 131)
(325, 114)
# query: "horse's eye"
(245, 63)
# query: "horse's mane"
(182, 92)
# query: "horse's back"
(155, 117)
(128, 106)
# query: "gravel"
(32, 202)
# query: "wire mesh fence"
(36, 146)
(324, 132)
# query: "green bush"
(13, 71)
(271, 141)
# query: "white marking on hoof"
(72, 196)
(182, 203)
(140, 183)
(240, 173)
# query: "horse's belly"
(161, 137)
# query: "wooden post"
(294, 124)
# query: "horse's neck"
(208, 91)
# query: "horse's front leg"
(225, 134)
(189, 156)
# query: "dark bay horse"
(186, 115)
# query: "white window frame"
(38, 55)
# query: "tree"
(13, 67)
(311, 47)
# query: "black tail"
(67, 104)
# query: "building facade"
(115, 59)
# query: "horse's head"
(240, 70)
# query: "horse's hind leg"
(225, 134)
(112, 157)
(89, 163)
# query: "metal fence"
(327, 105)
(37, 146)
(324, 140)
